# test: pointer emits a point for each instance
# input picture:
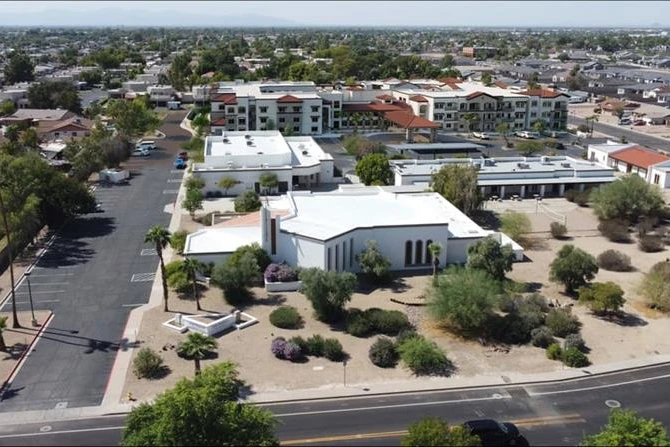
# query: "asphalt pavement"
(88, 96)
(554, 413)
(616, 132)
(95, 272)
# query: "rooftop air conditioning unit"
(226, 140)
(247, 136)
(477, 165)
(305, 152)
(544, 159)
(250, 143)
(565, 164)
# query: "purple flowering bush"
(280, 273)
(292, 351)
(278, 347)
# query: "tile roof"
(418, 98)
(218, 122)
(371, 107)
(478, 94)
(286, 99)
(543, 93)
(638, 156)
(407, 121)
(226, 98)
(385, 97)
(500, 84)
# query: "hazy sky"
(322, 13)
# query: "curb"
(25, 353)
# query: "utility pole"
(15, 319)
(344, 370)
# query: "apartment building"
(550, 106)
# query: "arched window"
(429, 256)
(418, 252)
(408, 252)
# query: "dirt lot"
(641, 334)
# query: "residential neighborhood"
(258, 226)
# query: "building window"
(344, 255)
(241, 110)
(315, 119)
(657, 178)
(222, 107)
(429, 257)
(296, 119)
(533, 103)
(264, 119)
(74, 134)
(351, 252)
(297, 109)
(263, 109)
(337, 257)
(315, 109)
(408, 252)
(282, 120)
(336, 104)
(231, 109)
(315, 129)
(418, 252)
(231, 122)
(282, 109)
(328, 259)
(242, 121)
(296, 128)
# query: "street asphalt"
(557, 413)
(616, 132)
(97, 270)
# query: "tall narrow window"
(351, 252)
(408, 252)
(328, 260)
(429, 257)
(418, 252)
(344, 255)
(337, 257)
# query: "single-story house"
(327, 230)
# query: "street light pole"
(30, 298)
(344, 365)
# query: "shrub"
(177, 279)
(247, 202)
(654, 286)
(260, 255)
(387, 322)
(383, 353)
(561, 323)
(602, 298)
(542, 337)
(292, 351)
(315, 345)
(286, 317)
(582, 198)
(510, 329)
(558, 230)
(515, 224)
(332, 350)
(574, 341)
(298, 340)
(235, 277)
(280, 273)
(328, 292)
(148, 364)
(358, 324)
(614, 230)
(614, 261)
(573, 267)
(575, 358)
(570, 195)
(423, 357)
(373, 263)
(277, 347)
(178, 241)
(650, 243)
(405, 335)
(554, 351)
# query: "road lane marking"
(599, 387)
(549, 420)
(143, 277)
(175, 180)
(62, 432)
(385, 407)
(133, 305)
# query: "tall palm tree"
(3, 326)
(160, 237)
(196, 347)
(435, 249)
(3, 210)
(191, 267)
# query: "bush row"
(422, 356)
(297, 348)
(570, 356)
(363, 323)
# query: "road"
(88, 96)
(97, 270)
(558, 413)
(617, 131)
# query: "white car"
(146, 144)
(481, 135)
(527, 135)
(140, 153)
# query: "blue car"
(179, 163)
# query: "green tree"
(132, 118)
(178, 241)
(625, 427)
(373, 263)
(202, 411)
(515, 225)
(602, 298)
(179, 71)
(487, 79)
(247, 202)
(470, 118)
(19, 68)
(195, 183)
(435, 249)
(458, 184)
(7, 108)
(655, 286)
(260, 255)
(226, 183)
(489, 255)
(235, 276)
(435, 432)
(572, 267)
(328, 291)
(160, 237)
(270, 124)
(53, 95)
(196, 347)
(591, 120)
(539, 126)
(268, 182)
(629, 198)
(374, 169)
(191, 268)
(528, 148)
(193, 201)
(464, 299)
(503, 129)
(29, 139)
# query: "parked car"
(146, 144)
(496, 433)
(183, 155)
(179, 163)
(527, 135)
(141, 153)
(481, 135)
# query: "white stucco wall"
(247, 178)
(458, 250)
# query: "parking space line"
(41, 292)
(32, 284)
(143, 277)
(170, 191)
(148, 252)
(38, 301)
(53, 274)
(51, 268)
(176, 171)
(174, 180)
(133, 305)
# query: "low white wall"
(282, 286)
(209, 328)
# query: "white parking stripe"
(142, 277)
(174, 180)
(52, 274)
(133, 305)
(170, 191)
(42, 291)
(47, 283)
(39, 301)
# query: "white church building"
(327, 230)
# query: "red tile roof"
(407, 121)
(638, 156)
(418, 98)
(370, 107)
(286, 99)
(500, 84)
(385, 97)
(543, 93)
(219, 122)
(449, 80)
(478, 94)
(226, 98)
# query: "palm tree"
(226, 183)
(191, 267)
(268, 182)
(160, 237)
(470, 118)
(435, 249)
(592, 119)
(3, 210)
(196, 347)
(3, 326)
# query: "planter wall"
(282, 286)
